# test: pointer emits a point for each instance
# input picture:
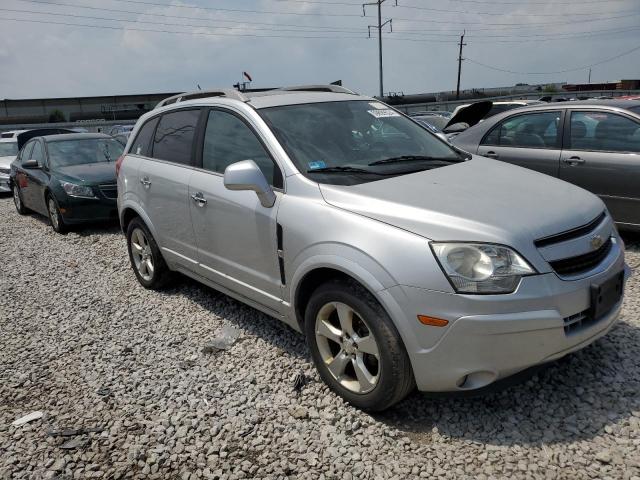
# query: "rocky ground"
(127, 391)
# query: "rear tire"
(356, 347)
(146, 260)
(17, 200)
(55, 217)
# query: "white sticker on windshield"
(383, 113)
(378, 106)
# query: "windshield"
(77, 152)
(635, 109)
(339, 142)
(433, 120)
(8, 149)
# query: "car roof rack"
(219, 92)
(318, 88)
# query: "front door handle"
(491, 154)
(199, 199)
(146, 183)
(573, 161)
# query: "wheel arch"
(129, 211)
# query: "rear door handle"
(199, 199)
(146, 183)
(573, 160)
(491, 154)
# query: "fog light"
(432, 321)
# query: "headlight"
(481, 267)
(74, 190)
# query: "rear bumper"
(490, 337)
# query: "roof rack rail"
(219, 92)
(318, 88)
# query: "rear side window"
(143, 140)
(533, 130)
(604, 131)
(173, 140)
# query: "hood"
(477, 200)
(5, 162)
(89, 173)
(471, 114)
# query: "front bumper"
(86, 210)
(490, 337)
(5, 185)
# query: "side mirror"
(30, 164)
(246, 175)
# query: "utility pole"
(589, 75)
(380, 25)
(462, 44)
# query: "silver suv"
(404, 261)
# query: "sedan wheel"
(57, 223)
(142, 256)
(348, 347)
(17, 200)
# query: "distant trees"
(57, 116)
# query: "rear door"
(531, 140)
(602, 155)
(37, 179)
(236, 235)
(164, 184)
(21, 173)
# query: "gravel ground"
(82, 342)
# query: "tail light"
(118, 165)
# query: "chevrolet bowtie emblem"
(596, 242)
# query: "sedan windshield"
(356, 141)
(8, 149)
(65, 153)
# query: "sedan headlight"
(81, 191)
(481, 267)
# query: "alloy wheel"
(53, 214)
(347, 347)
(16, 198)
(142, 254)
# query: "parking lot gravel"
(130, 386)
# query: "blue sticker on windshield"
(315, 165)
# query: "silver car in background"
(404, 261)
(594, 144)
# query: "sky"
(59, 51)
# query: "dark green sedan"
(70, 178)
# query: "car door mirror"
(246, 175)
(30, 164)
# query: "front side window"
(142, 143)
(532, 130)
(38, 153)
(355, 141)
(173, 140)
(604, 131)
(228, 140)
(64, 153)
(25, 153)
(8, 149)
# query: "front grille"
(109, 190)
(6, 171)
(582, 263)
(577, 322)
(571, 234)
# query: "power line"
(529, 24)
(378, 3)
(557, 71)
(520, 3)
(467, 12)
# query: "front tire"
(146, 260)
(55, 217)
(17, 200)
(356, 347)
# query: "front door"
(530, 140)
(164, 178)
(236, 235)
(602, 155)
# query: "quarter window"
(534, 130)
(173, 140)
(604, 131)
(143, 140)
(229, 140)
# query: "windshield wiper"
(413, 158)
(343, 169)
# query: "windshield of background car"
(8, 149)
(64, 153)
(352, 135)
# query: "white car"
(8, 152)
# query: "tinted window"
(38, 153)
(79, 152)
(25, 153)
(229, 140)
(141, 144)
(174, 136)
(604, 131)
(533, 130)
(8, 149)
